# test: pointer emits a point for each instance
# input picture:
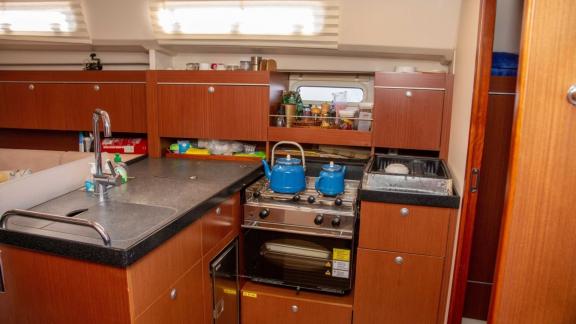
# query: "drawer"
(181, 303)
(397, 288)
(155, 272)
(266, 305)
(404, 228)
(219, 223)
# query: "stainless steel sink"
(425, 175)
(122, 221)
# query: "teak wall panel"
(17, 106)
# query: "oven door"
(298, 260)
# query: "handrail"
(56, 218)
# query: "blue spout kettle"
(287, 174)
(331, 179)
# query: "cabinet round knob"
(294, 308)
(31, 87)
(404, 211)
(96, 87)
(408, 93)
(264, 213)
(572, 95)
(173, 293)
(218, 211)
(211, 90)
(398, 260)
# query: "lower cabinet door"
(396, 288)
(182, 303)
(264, 308)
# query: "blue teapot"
(331, 179)
(287, 174)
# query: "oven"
(305, 241)
(299, 260)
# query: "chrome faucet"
(102, 180)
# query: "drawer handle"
(218, 211)
(96, 87)
(571, 96)
(173, 293)
(31, 87)
(404, 211)
(399, 260)
(408, 93)
(211, 89)
(294, 308)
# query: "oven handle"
(293, 229)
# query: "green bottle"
(120, 167)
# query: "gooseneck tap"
(101, 180)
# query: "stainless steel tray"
(426, 175)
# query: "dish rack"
(425, 175)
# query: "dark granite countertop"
(164, 197)
(410, 198)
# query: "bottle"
(89, 182)
(120, 167)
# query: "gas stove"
(307, 212)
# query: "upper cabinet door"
(238, 112)
(18, 105)
(182, 110)
(124, 102)
(408, 118)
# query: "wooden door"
(17, 105)
(182, 110)
(536, 272)
(125, 104)
(239, 113)
(55, 104)
(179, 304)
(396, 288)
(408, 118)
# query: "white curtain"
(57, 20)
(253, 23)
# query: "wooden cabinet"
(411, 111)
(17, 106)
(169, 285)
(219, 105)
(65, 100)
(404, 228)
(403, 263)
(397, 288)
(180, 303)
(265, 304)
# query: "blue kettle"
(287, 174)
(331, 179)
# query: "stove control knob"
(311, 199)
(318, 220)
(264, 213)
(338, 202)
(336, 222)
(296, 198)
